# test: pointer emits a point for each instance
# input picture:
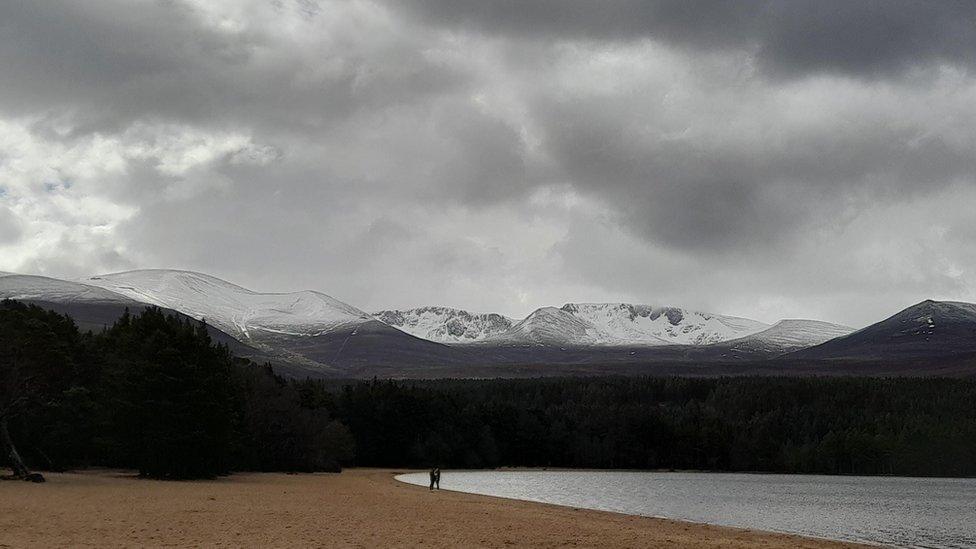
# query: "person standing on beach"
(433, 477)
(437, 478)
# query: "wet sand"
(358, 508)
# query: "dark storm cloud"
(852, 37)
(744, 192)
(483, 160)
(113, 62)
(867, 37)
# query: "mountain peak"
(551, 326)
(446, 324)
(641, 324)
(626, 324)
(931, 304)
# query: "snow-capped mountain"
(623, 324)
(91, 307)
(306, 332)
(445, 324)
(551, 326)
(309, 333)
(53, 290)
(242, 313)
(627, 324)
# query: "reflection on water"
(905, 512)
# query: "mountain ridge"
(610, 324)
(308, 326)
(445, 324)
(234, 309)
(640, 324)
(35, 287)
(322, 336)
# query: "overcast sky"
(770, 160)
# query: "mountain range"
(574, 324)
(309, 333)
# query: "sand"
(357, 508)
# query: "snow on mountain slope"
(622, 324)
(626, 324)
(243, 313)
(445, 324)
(42, 288)
(789, 335)
(551, 326)
(801, 333)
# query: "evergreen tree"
(37, 350)
(287, 428)
(171, 396)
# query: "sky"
(808, 159)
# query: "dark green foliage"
(173, 401)
(37, 348)
(825, 425)
(284, 429)
(152, 393)
(40, 353)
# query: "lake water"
(903, 512)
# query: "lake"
(903, 512)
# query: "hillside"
(926, 330)
(308, 328)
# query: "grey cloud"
(109, 63)
(733, 192)
(862, 38)
(706, 22)
(867, 38)
(10, 229)
(483, 160)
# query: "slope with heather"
(925, 330)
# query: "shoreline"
(709, 472)
(397, 475)
(355, 508)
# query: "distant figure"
(433, 477)
(437, 478)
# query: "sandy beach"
(357, 508)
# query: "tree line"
(154, 393)
(870, 426)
